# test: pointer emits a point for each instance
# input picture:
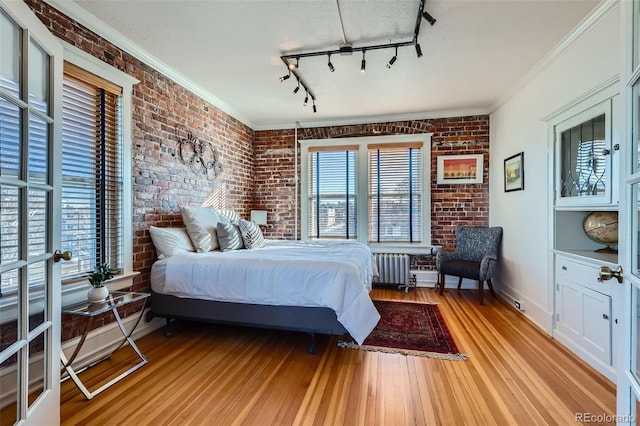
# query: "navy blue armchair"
(475, 257)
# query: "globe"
(602, 227)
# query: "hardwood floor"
(220, 375)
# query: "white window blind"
(395, 193)
(92, 181)
(332, 193)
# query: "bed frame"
(311, 320)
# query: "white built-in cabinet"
(584, 155)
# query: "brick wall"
(451, 205)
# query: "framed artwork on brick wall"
(460, 169)
(514, 173)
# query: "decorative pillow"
(229, 236)
(201, 223)
(169, 241)
(251, 234)
(229, 214)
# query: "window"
(370, 189)
(395, 193)
(332, 193)
(92, 178)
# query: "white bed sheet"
(287, 273)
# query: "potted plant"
(98, 292)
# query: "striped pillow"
(229, 237)
(251, 234)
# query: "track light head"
(391, 62)
(315, 110)
(293, 66)
(296, 89)
(330, 65)
(430, 19)
(363, 64)
(285, 77)
(393, 59)
(418, 50)
(306, 99)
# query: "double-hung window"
(371, 189)
(332, 193)
(395, 193)
(92, 175)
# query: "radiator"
(393, 269)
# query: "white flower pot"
(97, 294)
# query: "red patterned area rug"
(411, 329)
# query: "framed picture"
(460, 169)
(514, 173)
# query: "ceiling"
(228, 52)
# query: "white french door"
(30, 146)
(628, 382)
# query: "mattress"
(334, 275)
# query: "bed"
(308, 287)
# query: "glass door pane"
(10, 48)
(38, 78)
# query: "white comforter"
(334, 275)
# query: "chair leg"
(490, 284)
(459, 282)
(441, 284)
(481, 291)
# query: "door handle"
(606, 274)
(58, 256)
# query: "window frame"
(101, 69)
(362, 188)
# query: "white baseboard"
(534, 312)
(429, 279)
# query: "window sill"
(404, 249)
(77, 292)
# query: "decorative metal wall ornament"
(201, 156)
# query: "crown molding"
(587, 24)
(375, 119)
(107, 32)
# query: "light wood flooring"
(221, 375)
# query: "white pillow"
(251, 234)
(170, 241)
(201, 225)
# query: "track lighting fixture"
(292, 61)
(430, 19)
(418, 50)
(285, 77)
(393, 59)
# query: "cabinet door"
(597, 324)
(584, 316)
(584, 158)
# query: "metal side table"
(91, 311)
